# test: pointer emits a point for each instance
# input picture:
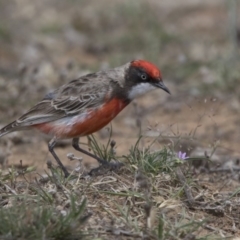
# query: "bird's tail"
(11, 127)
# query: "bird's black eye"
(143, 76)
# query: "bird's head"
(142, 77)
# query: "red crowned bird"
(87, 104)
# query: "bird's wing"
(71, 99)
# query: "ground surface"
(46, 43)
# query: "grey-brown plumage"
(87, 92)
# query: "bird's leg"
(104, 163)
(51, 146)
(75, 144)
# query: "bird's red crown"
(150, 68)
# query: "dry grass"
(156, 195)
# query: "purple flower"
(182, 155)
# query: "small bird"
(87, 104)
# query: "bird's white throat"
(139, 90)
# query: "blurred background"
(46, 43)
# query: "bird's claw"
(103, 168)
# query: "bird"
(87, 104)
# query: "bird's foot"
(103, 168)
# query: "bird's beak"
(161, 85)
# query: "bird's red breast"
(86, 123)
